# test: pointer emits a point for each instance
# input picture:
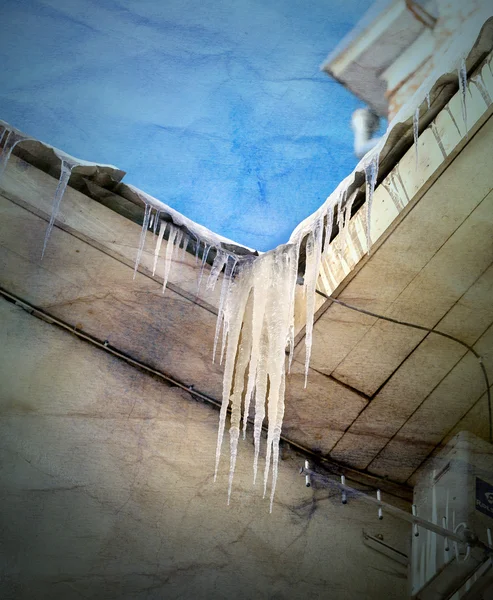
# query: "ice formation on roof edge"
(257, 300)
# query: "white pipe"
(365, 124)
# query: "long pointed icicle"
(371, 173)
(313, 257)
(278, 324)
(462, 72)
(186, 241)
(143, 231)
(236, 397)
(156, 221)
(228, 273)
(159, 241)
(202, 266)
(416, 133)
(479, 83)
(169, 254)
(329, 222)
(65, 172)
(276, 439)
(260, 297)
(12, 138)
(234, 311)
(293, 277)
(217, 266)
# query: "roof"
(384, 32)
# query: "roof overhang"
(358, 62)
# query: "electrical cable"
(422, 328)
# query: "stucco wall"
(107, 492)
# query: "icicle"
(416, 133)
(151, 220)
(234, 311)
(205, 254)
(228, 273)
(197, 248)
(463, 87)
(143, 232)
(279, 313)
(179, 238)
(452, 118)
(11, 140)
(313, 257)
(371, 173)
(293, 277)
(65, 172)
(340, 212)
(240, 370)
(347, 219)
(428, 101)
(329, 221)
(186, 240)
(260, 394)
(162, 231)
(263, 272)
(169, 254)
(156, 221)
(391, 188)
(217, 266)
(479, 83)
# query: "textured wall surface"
(107, 492)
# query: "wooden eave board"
(95, 293)
(375, 283)
(433, 267)
(104, 229)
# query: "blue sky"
(217, 108)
